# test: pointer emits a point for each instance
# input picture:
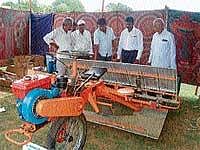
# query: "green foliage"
(67, 6)
(10, 4)
(57, 6)
(24, 5)
(118, 7)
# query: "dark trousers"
(129, 56)
(107, 58)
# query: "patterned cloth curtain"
(186, 28)
(184, 25)
(13, 33)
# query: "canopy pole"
(30, 5)
(102, 8)
(30, 11)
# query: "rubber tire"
(55, 126)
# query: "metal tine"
(130, 77)
(141, 72)
(150, 83)
(173, 74)
(170, 82)
(167, 85)
(124, 70)
(162, 84)
(116, 77)
(144, 80)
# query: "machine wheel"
(68, 133)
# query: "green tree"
(10, 4)
(24, 5)
(118, 7)
(57, 6)
(67, 6)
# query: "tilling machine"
(145, 93)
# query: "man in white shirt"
(130, 44)
(60, 40)
(163, 48)
(104, 41)
(82, 39)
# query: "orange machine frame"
(74, 105)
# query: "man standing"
(130, 43)
(104, 41)
(60, 39)
(163, 49)
(82, 39)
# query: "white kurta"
(64, 41)
(82, 42)
(131, 41)
(61, 38)
(163, 50)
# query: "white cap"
(66, 19)
(80, 22)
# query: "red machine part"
(61, 133)
(21, 87)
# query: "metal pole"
(19, 4)
(29, 34)
(102, 8)
(30, 12)
(30, 5)
(167, 16)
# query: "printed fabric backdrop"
(143, 21)
(186, 28)
(13, 33)
(184, 25)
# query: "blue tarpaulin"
(40, 26)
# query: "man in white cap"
(82, 39)
(60, 40)
(163, 48)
